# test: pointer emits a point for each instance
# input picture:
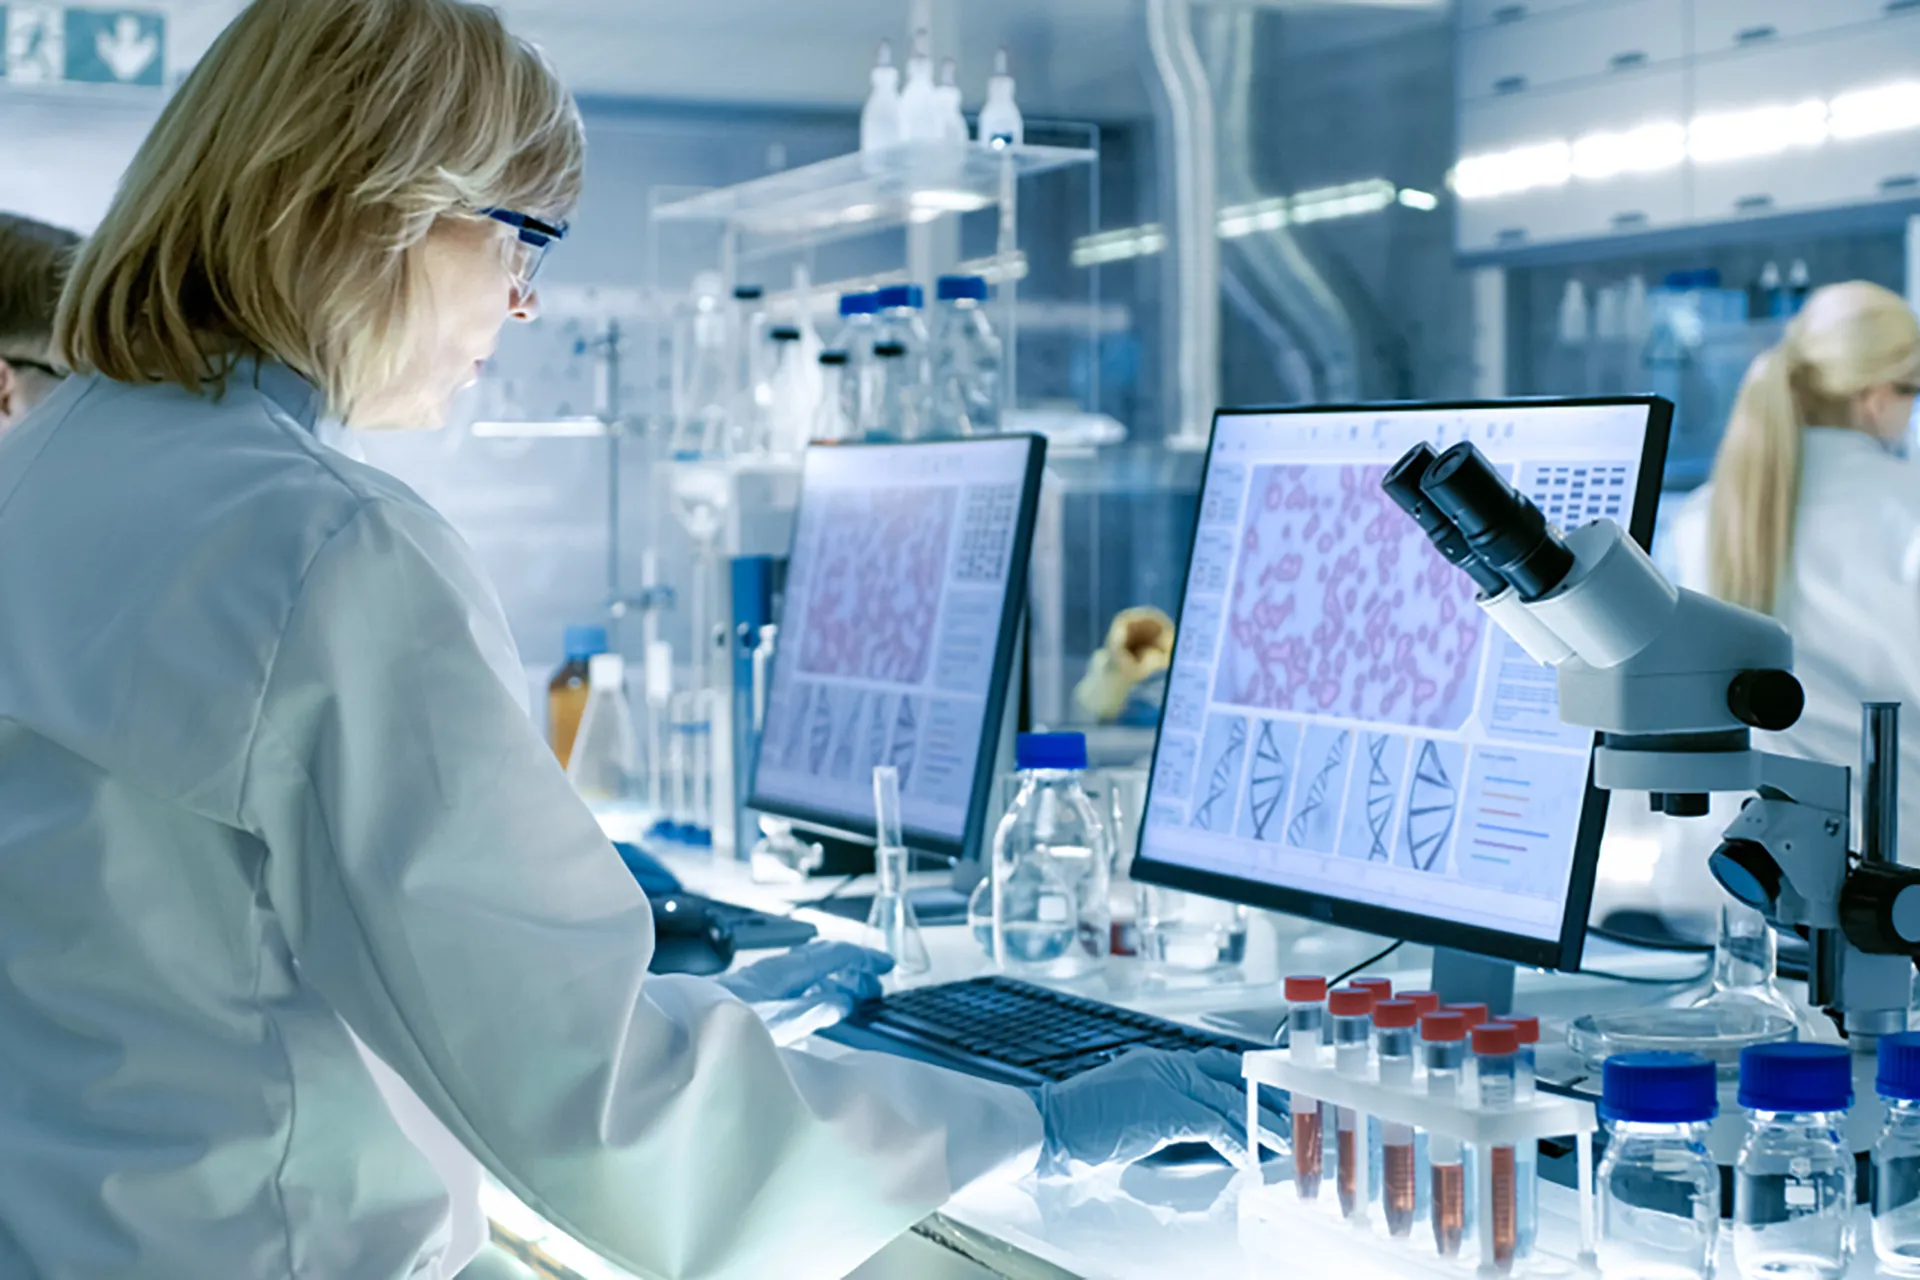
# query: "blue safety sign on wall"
(115, 46)
(36, 38)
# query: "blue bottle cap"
(1657, 1088)
(857, 304)
(1796, 1077)
(584, 642)
(901, 295)
(1050, 751)
(1899, 1074)
(947, 288)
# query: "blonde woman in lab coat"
(1813, 516)
(267, 784)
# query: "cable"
(1368, 963)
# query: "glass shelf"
(854, 194)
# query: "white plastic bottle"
(1000, 122)
(966, 360)
(880, 117)
(904, 382)
(953, 122)
(831, 423)
(602, 767)
(920, 119)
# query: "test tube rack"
(1275, 1212)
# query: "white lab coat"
(1850, 596)
(265, 777)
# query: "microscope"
(1675, 682)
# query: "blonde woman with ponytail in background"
(1813, 516)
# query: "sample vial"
(1306, 1032)
(1352, 1010)
(1425, 1001)
(1793, 1183)
(1382, 988)
(1443, 1043)
(1496, 1057)
(1896, 1158)
(1659, 1189)
(1527, 1157)
(1393, 1029)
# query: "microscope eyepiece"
(1504, 529)
(1402, 484)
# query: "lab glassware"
(1659, 1189)
(1793, 1185)
(966, 360)
(831, 423)
(1051, 862)
(1394, 1022)
(1306, 1032)
(1443, 1039)
(1527, 1155)
(1352, 1010)
(603, 767)
(1496, 1057)
(891, 920)
(1896, 1157)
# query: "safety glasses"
(528, 247)
(38, 366)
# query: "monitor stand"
(1460, 977)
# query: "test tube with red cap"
(1352, 1010)
(1526, 1157)
(1394, 1023)
(1382, 988)
(1425, 1001)
(1306, 1032)
(1443, 1041)
(1496, 1056)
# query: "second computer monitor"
(905, 591)
(1346, 735)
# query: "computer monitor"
(1346, 736)
(898, 634)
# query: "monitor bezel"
(1563, 952)
(1006, 646)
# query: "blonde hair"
(1848, 338)
(274, 209)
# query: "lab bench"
(1141, 1222)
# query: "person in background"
(33, 261)
(1812, 515)
(268, 786)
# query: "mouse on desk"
(687, 938)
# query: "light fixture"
(1757, 131)
(1887, 108)
(1118, 246)
(1424, 201)
(938, 201)
(574, 428)
(1649, 148)
(1501, 173)
(1320, 204)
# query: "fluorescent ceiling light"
(1757, 131)
(1117, 246)
(1320, 204)
(1864, 113)
(938, 201)
(1649, 148)
(1500, 173)
(578, 428)
(1424, 201)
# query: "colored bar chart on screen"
(1517, 817)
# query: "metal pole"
(1880, 774)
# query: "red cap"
(1306, 989)
(1443, 1026)
(1428, 1001)
(1475, 1014)
(1496, 1037)
(1526, 1024)
(1396, 1015)
(1350, 1002)
(1382, 988)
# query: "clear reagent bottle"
(1659, 1213)
(1793, 1185)
(1896, 1157)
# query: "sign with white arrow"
(115, 46)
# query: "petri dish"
(1717, 1031)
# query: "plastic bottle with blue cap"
(1793, 1185)
(1896, 1157)
(1051, 861)
(1659, 1212)
(858, 325)
(902, 383)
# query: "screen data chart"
(1342, 720)
(896, 605)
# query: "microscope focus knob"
(1880, 908)
(1766, 699)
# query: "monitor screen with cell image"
(1346, 735)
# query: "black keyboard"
(1014, 1032)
